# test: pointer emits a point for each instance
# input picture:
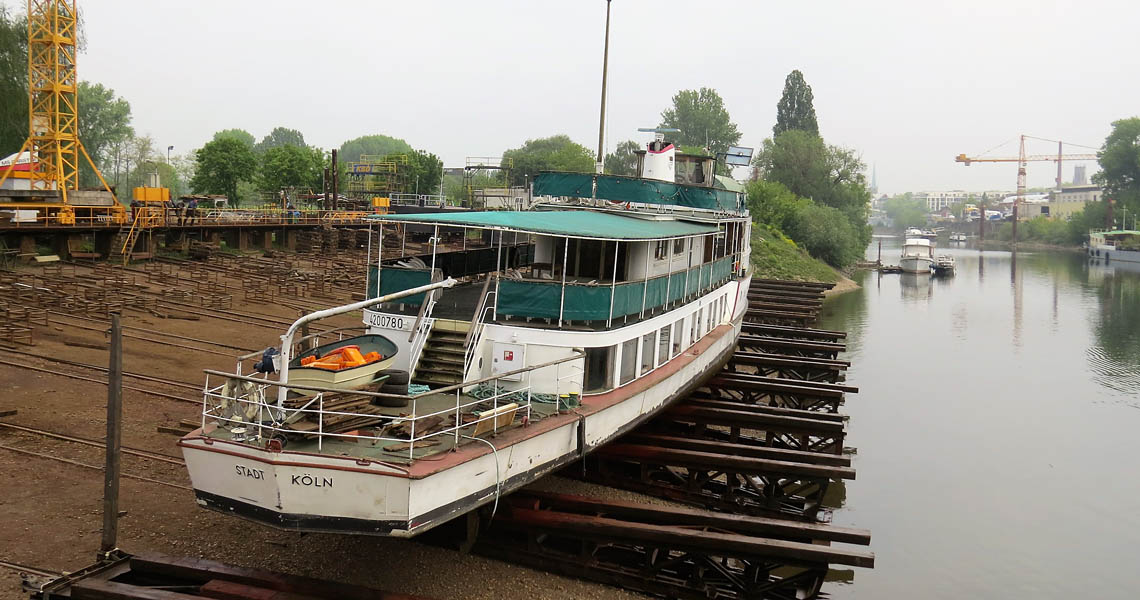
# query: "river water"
(997, 427)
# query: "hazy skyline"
(908, 85)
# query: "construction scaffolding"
(45, 171)
(483, 165)
(378, 175)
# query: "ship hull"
(915, 264)
(341, 494)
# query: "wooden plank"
(689, 517)
(229, 590)
(785, 454)
(785, 331)
(744, 379)
(787, 283)
(101, 589)
(195, 569)
(714, 460)
(739, 418)
(780, 306)
(605, 529)
(744, 355)
(793, 344)
(764, 409)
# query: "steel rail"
(29, 570)
(99, 381)
(171, 382)
(166, 458)
(92, 467)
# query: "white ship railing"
(254, 416)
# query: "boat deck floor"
(358, 443)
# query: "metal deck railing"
(254, 416)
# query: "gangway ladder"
(124, 243)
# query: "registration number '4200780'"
(388, 322)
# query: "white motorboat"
(917, 255)
(957, 237)
(944, 264)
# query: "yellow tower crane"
(53, 143)
(1023, 158)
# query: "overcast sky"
(908, 84)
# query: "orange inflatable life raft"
(345, 357)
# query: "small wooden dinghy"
(348, 364)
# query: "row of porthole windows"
(640, 355)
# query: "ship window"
(678, 333)
(648, 345)
(678, 245)
(599, 369)
(695, 328)
(663, 346)
(661, 250)
(628, 361)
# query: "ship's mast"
(601, 158)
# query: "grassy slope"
(777, 257)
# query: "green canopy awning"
(584, 224)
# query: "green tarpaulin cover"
(631, 189)
(572, 223)
(543, 299)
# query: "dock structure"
(757, 453)
(141, 237)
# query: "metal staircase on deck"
(441, 360)
(122, 246)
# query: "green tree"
(222, 164)
(554, 153)
(905, 211)
(623, 160)
(353, 149)
(13, 81)
(240, 135)
(702, 119)
(823, 231)
(826, 234)
(291, 167)
(425, 171)
(772, 203)
(828, 175)
(104, 124)
(280, 136)
(794, 111)
(1120, 165)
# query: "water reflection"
(984, 403)
(915, 287)
(1115, 359)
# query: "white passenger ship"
(546, 334)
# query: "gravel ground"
(51, 511)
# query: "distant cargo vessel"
(1120, 245)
